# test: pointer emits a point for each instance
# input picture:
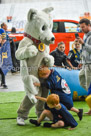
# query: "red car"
(63, 30)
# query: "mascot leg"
(40, 105)
(24, 108)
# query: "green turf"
(6, 97)
(9, 103)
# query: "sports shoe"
(20, 121)
(5, 86)
(47, 124)
(34, 122)
(80, 114)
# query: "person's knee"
(61, 124)
(46, 112)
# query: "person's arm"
(41, 98)
(69, 57)
(53, 53)
(87, 46)
(37, 84)
(68, 61)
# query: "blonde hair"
(53, 99)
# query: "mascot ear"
(31, 14)
(48, 10)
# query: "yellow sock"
(88, 100)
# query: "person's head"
(85, 25)
(13, 30)
(0, 38)
(4, 26)
(44, 72)
(52, 100)
(77, 45)
(61, 46)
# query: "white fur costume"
(38, 27)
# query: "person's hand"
(79, 66)
(75, 68)
(80, 40)
(68, 68)
(37, 84)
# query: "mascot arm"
(49, 60)
(28, 51)
(29, 86)
(31, 97)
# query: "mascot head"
(39, 25)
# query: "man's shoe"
(35, 122)
(1, 84)
(5, 86)
(20, 121)
(80, 114)
(47, 124)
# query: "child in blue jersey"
(58, 86)
(74, 55)
(57, 112)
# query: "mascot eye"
(43, 27)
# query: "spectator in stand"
(60, 58)
(12, 45)
(74, 55)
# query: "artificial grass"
(6, 97)
(9, 128)
(9, 103)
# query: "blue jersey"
(74, 56)
(59, 86)
(56, 83)
(65, 116)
